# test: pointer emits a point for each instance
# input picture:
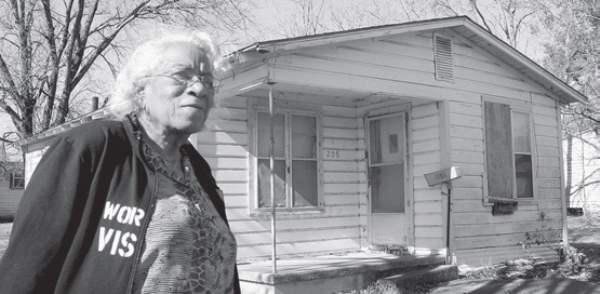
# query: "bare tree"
(306, 19)
(573, 54)
(48, 47)
(504, 18)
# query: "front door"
(389, 224)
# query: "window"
(295, 160)
(17, 181)
(509, 158)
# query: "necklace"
(179, 172)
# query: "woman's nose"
(198, 88)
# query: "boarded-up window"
(498, 150)
(508, 152)
(296, 160)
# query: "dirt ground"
(545, 279)
(567, 278)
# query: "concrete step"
(430, 274)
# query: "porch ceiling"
(323, 96)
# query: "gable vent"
(443, 61)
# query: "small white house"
(360, 117)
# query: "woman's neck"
(167, 139)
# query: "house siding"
(425, 158)
(478, 236)
(9, 199)
(227, 145)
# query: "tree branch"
(66, 28)
(476, 7)
(14, 115)
(12, 87)
(54, 61)
(136, 12)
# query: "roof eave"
(571, 95)
(336, 37)
(566, 93)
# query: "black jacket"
(63, 240)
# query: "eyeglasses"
(187, 81)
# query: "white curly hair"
(145, 61)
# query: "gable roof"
(461, 24)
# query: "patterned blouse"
(188, 247)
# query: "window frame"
(14, 176)
(287, 112)
(520, 107)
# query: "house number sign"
(331, 154)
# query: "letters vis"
(116, 241)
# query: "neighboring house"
(585, 172)
(11, 170)
(361, 115)
(12, 182)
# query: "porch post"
(272, 181)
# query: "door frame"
(408, 170)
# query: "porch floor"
(328, 273)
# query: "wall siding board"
(219, 137)
(467, 144)
(509, 239)
(429, 243)
(466, 132)
(498, 254)
(298, 248)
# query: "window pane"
(264, 134)
(387, 139)
(387, 188)
(264, 198)
(498, 149)
(393, 143)
(304, 182)
(304, 136)
(524, 175)
(520, 124)
(375, 141)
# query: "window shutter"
(443, 60)
(498, 147)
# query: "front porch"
(331, 273)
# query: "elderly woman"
(129, 206)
